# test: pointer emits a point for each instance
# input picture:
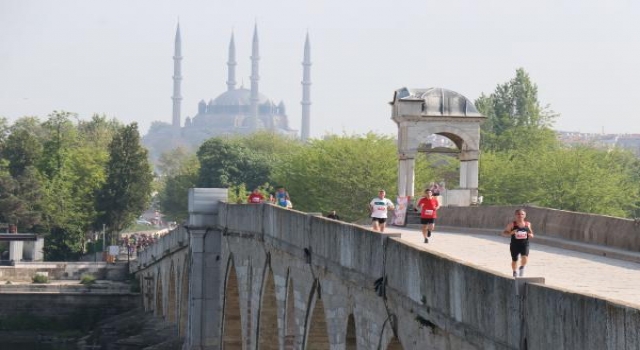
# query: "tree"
(127, 190)
(515, 118)
(224, 163)
(340, 172)
(179, 173)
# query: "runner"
(379, 207)
(520, 231)
(428, 206)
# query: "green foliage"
(341, 173)
(179, 173)
(224, 163)
(523, 162)
(515, 118)
(88, 279)
(582, 179)
(40, 279)
(127, 189)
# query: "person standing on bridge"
(255, 197)
(379, 207)
(428, 206)
(520, 231)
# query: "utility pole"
(104, 247)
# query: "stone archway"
(423, 112)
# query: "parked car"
(143, 222)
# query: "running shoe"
(515, 274)
(426, 240)
(428, 233)
(521, 271)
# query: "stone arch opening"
(317, 337)
(172, 296)
(289, 316)
(184, 301)
(158, 295)
(148, 289)
(268, 315)
(231, 324)
(351, 342)
(395, 344)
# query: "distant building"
(235, 111)
(630, 142)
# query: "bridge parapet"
(579, 227)
(176, 239)
(338, 243)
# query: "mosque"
(236, 111)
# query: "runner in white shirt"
(379, 207)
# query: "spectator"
(255, 197)
(282, 197)
(333, 215)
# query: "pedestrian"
(333, 215)
(379, 207)
(281, 197)
(428, 206)
(255, 197)
(436, 190)
(520, 231)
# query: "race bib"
(428, 212)
(521, 234)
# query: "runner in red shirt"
(255, 197)
(428, 206)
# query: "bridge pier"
(206, 274)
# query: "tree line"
(521, 162)
(63, 178)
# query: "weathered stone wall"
(301, 281)
(24, 271)
(579, 227)
(60, 311)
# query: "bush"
(88, 279)
(40, 279)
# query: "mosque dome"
(238, 97)
(439, 102)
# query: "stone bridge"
(263, 277)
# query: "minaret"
(177, 78)
(306, 90)
(255, 77)
(231, 80)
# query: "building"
(238, 110)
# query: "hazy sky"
(115, 57)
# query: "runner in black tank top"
(520, 231)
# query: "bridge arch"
(231, 313)
(184, 299)
(268, 314)
(351, 338)
(289, 315)
(159, 295)
(172, 295)
(316, 333)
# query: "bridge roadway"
(612, 279)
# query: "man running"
(379, 207)
(520, 231)
(428, 206)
